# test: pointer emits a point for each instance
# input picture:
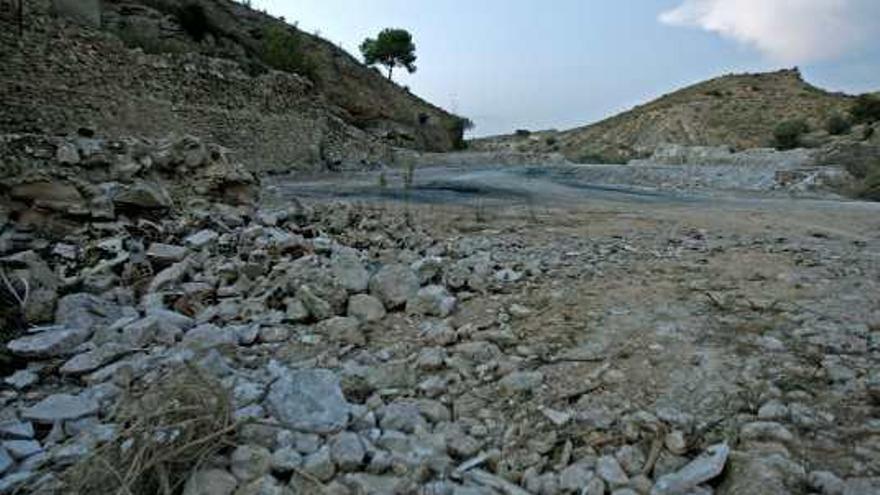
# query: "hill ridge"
(736, 110)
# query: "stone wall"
(59, 77)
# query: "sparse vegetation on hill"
(283, 50)
(788, 134)
(838, 125)
(741, 111)
(866, 109)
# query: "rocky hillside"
(740, 111)
(147, 68)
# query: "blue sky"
(510, 64)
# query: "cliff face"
(740, 111)
(131, 68)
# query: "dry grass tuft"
(168, 430)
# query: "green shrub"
(194, 21)
(838, 125)
(523, 133)
(870, 186)
(459, 127)
(866, 109)
(283, 50)
(788, 134)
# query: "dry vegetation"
(168, 429)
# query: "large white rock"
(48, 342)
(704, 468)
(394, 285)
(60, 407)
(310, 401)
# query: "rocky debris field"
(338, 348)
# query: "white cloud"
(789, 31)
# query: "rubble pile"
(362, 353)
(54, 184)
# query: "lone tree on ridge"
(392, 48)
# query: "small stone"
(574, 478)
(403, 417)
(631, 459)
(201, 239)
(826, 483)
(595, 487)
(285, 460)
(207, 336)
(521, 381)
(87, 312)
(267, 485)
(320, 465)
(310, 401)
(22, 449)
(60, 407)
(675, 442)
(67, 154)
(433, 300)
(437, 332)
(22, 379)
(210, 482)
(434, 411)
(609, 470)
(296, 311)
(269, 335)
(519, 311)
(375, 484)
(344, 329)
(6, 461)
(92, 360)
(249, 462)
(317, 307)
(431, 359)
(700, 470)
(347, 450)
(394, 285)
(144, 195)
(15, 482)
(507, 276)
(773, 409)
(862, 486)
(558, 418)
(366, 308)
(348, 270)
(166, 253)
(761, 473)
(16, 430)
(766, 431)
(47, 342)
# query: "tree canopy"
(392, 48)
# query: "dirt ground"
(712, 314)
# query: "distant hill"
(740, 111)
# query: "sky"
(557, 64)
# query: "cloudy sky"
(538, 64)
